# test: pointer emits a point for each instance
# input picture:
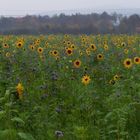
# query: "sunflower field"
(70, 87)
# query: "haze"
(23, 7)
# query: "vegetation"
(70, 87)
(74, 24)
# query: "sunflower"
(127, 63)
(73, 46)
(134, 50)
(137, 60)
(80, 52)
(100, 57)
(7, 54)
(66, 36)
(46, 44)
(69, 43)
(55, 53)
(5, 45)
(32, 47)
(88, 52)
(37, 42)
(64, 42)
(86, 80)
(111, 82)
(69, 51)
(106, 47)
(116, 77)
(40, 50)
(123, 44)
(19, 44)
(83, 40)
(126, 51)
(77, 63)
(93, 47)
(20, 90)
(50, 52)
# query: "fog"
(22, 7)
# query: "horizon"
(84, 11)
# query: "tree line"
(71, 24)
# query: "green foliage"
(25, 136)
(8, 134)
(55, 103)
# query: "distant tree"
(75, 24)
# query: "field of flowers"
(70, 87)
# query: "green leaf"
(8, 105)
(2, 114)
(18, 120)
(2, 100)
(8, 134)
(25, 136)
(109, 115)
(7, 94)
(14, 111)
(113, 131)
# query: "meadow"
(70, 87)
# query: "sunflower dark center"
(69, 51)
(77, 63)
(128, 62)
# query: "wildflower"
(59, 134)
(40, 50)
(64, 42)
(77, 63)
(37, 42)
(69, 51)
(20, 90)
(5, 45)
(80, 52)
(7, 54)
(111, 82)
(73, 46)
(46, 43)
(93, 47)
(86, 80)
(19, 44)
(126, 51)
(88, 52)
(32, 47)
(128, 63)
(106, 47)
(100, 57)
(55, 53)
(137, 60)
(54, 76)
(68, 43)
(123, 44)
(116, 77)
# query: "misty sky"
(21, 7)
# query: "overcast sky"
(21, 7)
